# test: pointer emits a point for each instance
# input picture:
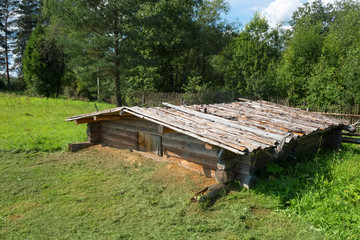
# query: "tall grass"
(38, 124)
(323, 189)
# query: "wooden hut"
(226, 141)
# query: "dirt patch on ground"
(112, 158)
(15, 217)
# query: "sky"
(274, 10)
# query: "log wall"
(131, 132)
(135, 133)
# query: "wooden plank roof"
(240, 127)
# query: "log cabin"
(229, 141)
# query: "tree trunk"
(7, 53)
(117, 62)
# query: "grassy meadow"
(103, 193)
(38, 124)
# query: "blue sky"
(274, 10)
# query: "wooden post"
(98, 89)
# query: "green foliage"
(44, 64)
(249, 57)
(28, 12)
(274, 168)
(335, 77)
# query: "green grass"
(38, 124)
(99, 193)
(323, 189)
(94, 194)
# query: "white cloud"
(280, 10)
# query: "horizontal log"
(85, 120)
(119, 139)
(244, 169)
(74, 147)
(113, 144)
(351, 140)
(185, 138)
(189, 147)
(106, 117)
(122, 125)
(208, 162)
(351, 134)
(138, 122)
(122, 133)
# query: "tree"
(247, 59)
(335, 79)
(310, 26)
(7, 20)
(178, 42)
(152, 44)
(28, 12)
(44, 64)
(100, 30)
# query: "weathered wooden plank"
(123, 133)
(244, 169)
(295, 118)
(184, 138)
(91, 115)
(241, 118)
(304, 113)
(238, 150)
(84, 120)
(113, 144)
(139, 123)
(119, 139)
(250, 140)
(224, 122)
(93, 132)
(150, 143)
(212, 130)
(74, 147)
(106, 117)
(207, 162)
(351, 134)
(190, 147)
(351, 140)
(282, 120)
(121, 125)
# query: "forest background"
(110, 50)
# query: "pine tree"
(7, 22)
(28, 12)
